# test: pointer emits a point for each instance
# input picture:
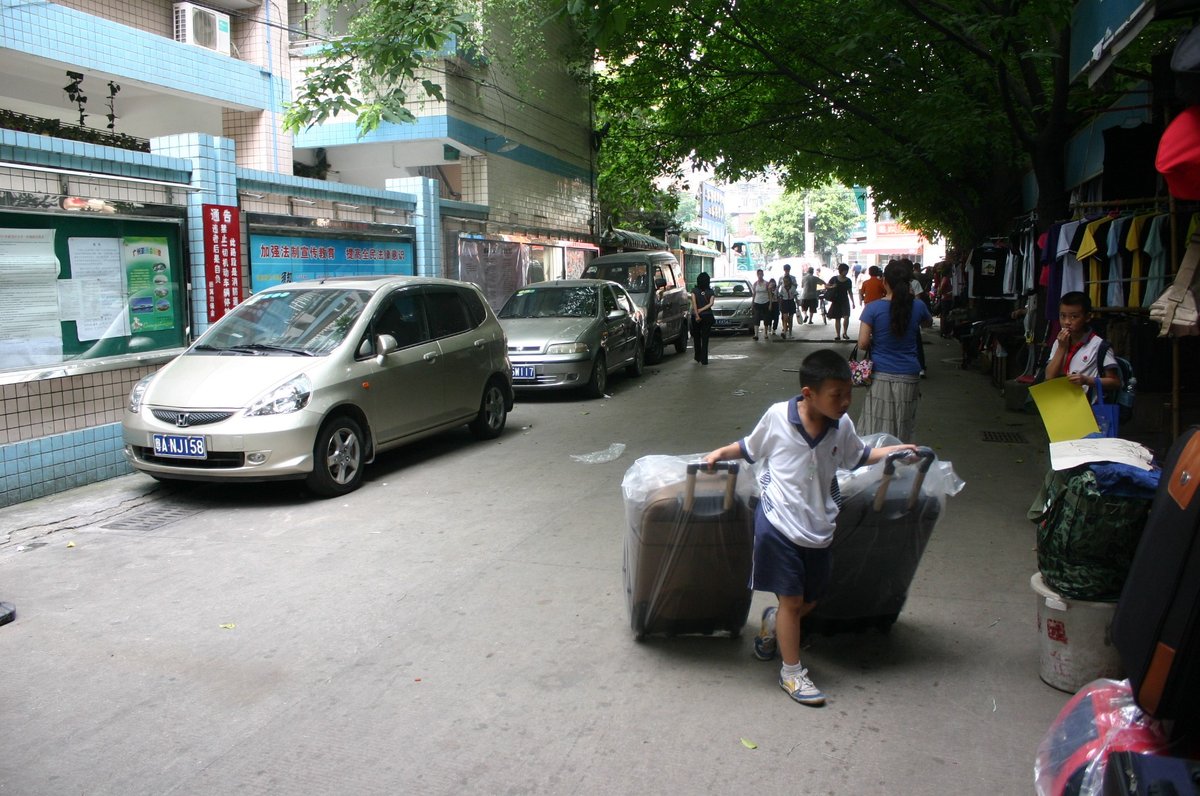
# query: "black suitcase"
(1132, 774)
(1156, 623)
(877, 545)
(689, 555)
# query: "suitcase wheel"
(637, 621)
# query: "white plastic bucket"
(1074, 639)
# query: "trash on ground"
(228, 626)
(749, 744)
(599, 457)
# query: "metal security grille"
(1004, 436)
(149, 520)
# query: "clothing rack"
(1152, 200)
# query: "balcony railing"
(23, 122)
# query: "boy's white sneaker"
(801, 689)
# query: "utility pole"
(810, 248)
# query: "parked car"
(731, 307)
(572, 333)
(311, 380)
(652, 279)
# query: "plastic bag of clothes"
(1099, 720)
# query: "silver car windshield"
(286, 322)
(633, 277)
(725, 289)
(551, 302)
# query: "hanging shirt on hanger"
(1157, 249)
(1093, 256)
(1135, 241)
(1116, 265)
(1030, 274)
(985, 272)
(1072, 271)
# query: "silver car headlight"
(291, 396)
(138, 392)
(568, 348)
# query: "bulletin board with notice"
(84, 287)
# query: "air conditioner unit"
(202, 27)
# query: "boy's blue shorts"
(785, 568)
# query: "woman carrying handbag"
(891, 329)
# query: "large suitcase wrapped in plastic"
(688, 548)
(1156, 628)
(886, 519)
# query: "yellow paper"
(1065, 409)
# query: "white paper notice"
(1074, 452)
(96, 300)
(30, 332)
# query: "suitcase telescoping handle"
(927, 457)
(689, 498)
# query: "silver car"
(731, 307)
(572, 333)
(311, 380)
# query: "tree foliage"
(940, 105)
(375, 54)
(833, 214)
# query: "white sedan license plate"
(725, 321)
(524, 372)
(180, 446)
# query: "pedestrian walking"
(872, 287)
(857, 272)
(760, 305)
(702, 298)
(787, 300)
(839, 294)
(890, 329)
(799, 444)
(773, 304)
(808, 294)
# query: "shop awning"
(627, 239)
(889, 250)
(695, 248)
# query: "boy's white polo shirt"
(1083, 358)
(798, 470)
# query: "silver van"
(654, 281)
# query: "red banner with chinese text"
(222, 259)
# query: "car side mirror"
(384, 345)
(660, 282)
(616, 315)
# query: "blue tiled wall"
(43, 466)
(42, 150)
(92, 43)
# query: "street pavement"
(459, 625)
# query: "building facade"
(147, 186)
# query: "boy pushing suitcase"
(802, 442)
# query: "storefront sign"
(278, 259)
(222, 265)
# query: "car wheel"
(599, 380)
(492, 413)
(681, 340)
(634, 369)
(337, 458)
(654, 353)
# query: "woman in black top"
(837, 292)
(702, 298)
